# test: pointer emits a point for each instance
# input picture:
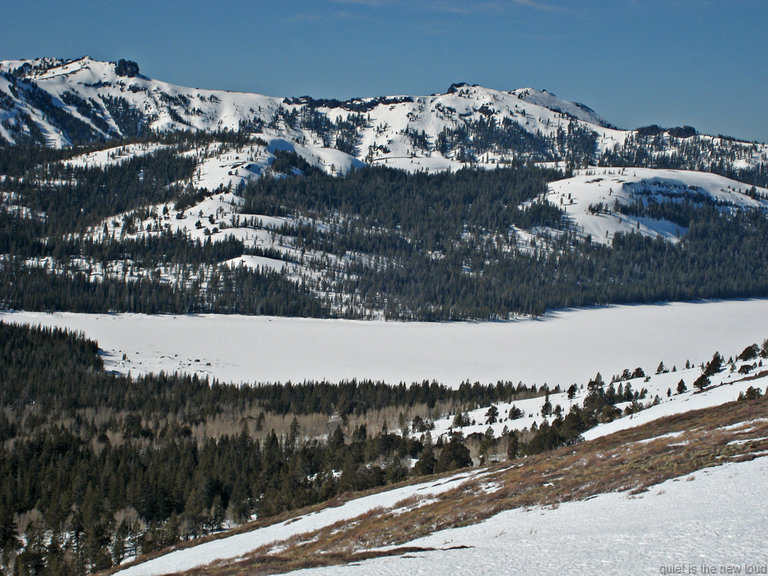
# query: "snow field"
(112, 156)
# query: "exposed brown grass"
(631, 460)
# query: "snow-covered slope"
(111, 156)
(549, 100)
(603, 507)
(658, 532)
(240, 544)
(612, 533)
(103, 103)
(658, 398)
(83, 101)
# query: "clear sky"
(635, 62)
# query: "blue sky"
(636, 62)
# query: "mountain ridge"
(62, 103)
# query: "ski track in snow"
(562, 348)
(715, 518)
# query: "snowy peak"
(26, 68)
(59, 103)
(47, 68)
(548, 100)
(82, 65)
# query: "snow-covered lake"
(561, 348)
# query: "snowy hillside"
(59, 103)
(597, 199)
(732, 492)
(549, 100)
(658, 395)
(234, 546)
(106, 102)
(597, 204)
(176, 175)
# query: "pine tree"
(427, 461)
(491, 415)
(701, 382)
(512, 445)
(453, 455)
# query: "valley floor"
(704, 520)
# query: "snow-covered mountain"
(59, 103)
(604, 183)
(66, 102)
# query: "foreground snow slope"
(684, 491)
(581, 342)
(240, 544)
(713, 518)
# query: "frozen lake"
(560, 348)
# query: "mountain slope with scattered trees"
(376, 241)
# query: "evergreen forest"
(374, 242)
